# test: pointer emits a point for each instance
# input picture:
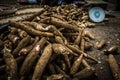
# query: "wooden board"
(96, 2)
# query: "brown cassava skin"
(26, 50)
(59, 23)
(30, 30)
(62, 49)
(79, 37)
(71, 52)
(70, 34)
(22, 33)
(45, 14)
(114, 67)
(21, 44)
(55, 77)
(85, 63)
(1, 42)
(59, 70)
(63, 65)
(76, 65)
(31, 57)
(112, 50)
(92, 58)
(67, 61)
(51, 68)
(76, 50)
(88, 46)
(57, 32)
(58, 39)
(13, 30)
(59, 61)
(82, 45)
(18, 60)
(35, 25)
(9, 44)
(53, 57)
(101, 44)
(2, 68)
(30, 18)
(80, 58)
(11, 65)
(89, 34)
(85, 74)
(42, 62)
(58, 17)
(13, 38)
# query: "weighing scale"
(96, 10)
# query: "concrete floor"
(111, 32)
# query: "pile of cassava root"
(49, 45)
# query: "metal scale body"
(96, 10)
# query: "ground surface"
(111, 32)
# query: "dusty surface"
(111, 32)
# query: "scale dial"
(96, 14)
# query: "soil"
(111, 32)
